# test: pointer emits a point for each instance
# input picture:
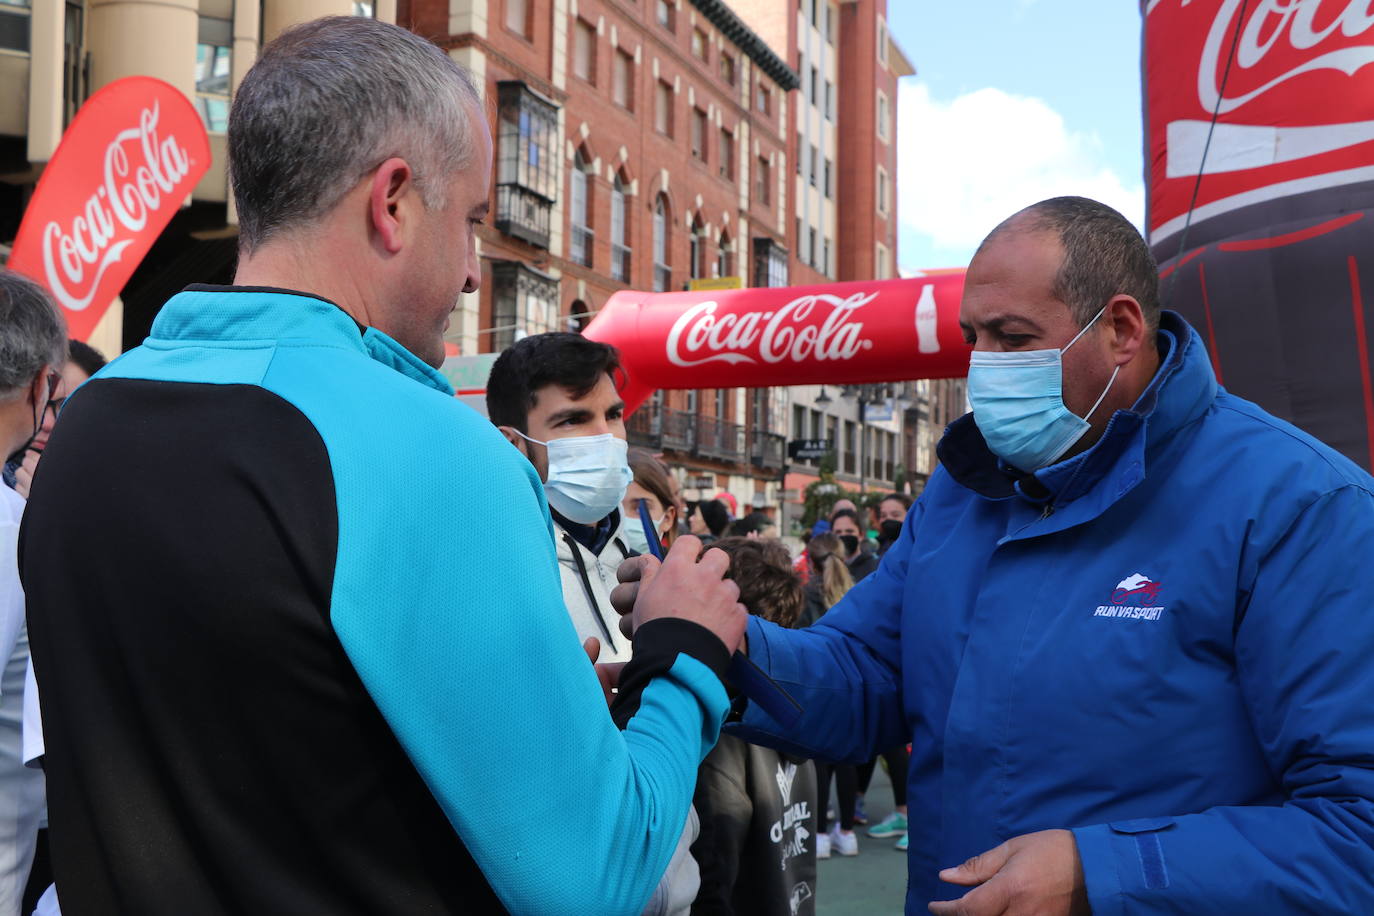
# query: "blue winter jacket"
(1170, 651)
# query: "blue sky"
(1013, 101)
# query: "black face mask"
(850, 542)
(889, 530)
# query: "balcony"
(767, 451)
(720, 439)
(580, 251)
(620, 262)
(523, 214)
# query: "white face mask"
(588, 475)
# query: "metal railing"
(524, 214)
(767, 451)
(620, 262)
(580, 245)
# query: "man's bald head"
(1103, 255)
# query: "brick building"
(639, 145)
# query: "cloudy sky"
(1014, 101)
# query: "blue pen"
(747, 677)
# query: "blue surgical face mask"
(1018, 404)
(588, 475)
(636, 538)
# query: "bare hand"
(623, 596)
(685, 588)
(608, 674)
(1039, 874)
(23, 475)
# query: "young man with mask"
(1126, 627)
(554, 397)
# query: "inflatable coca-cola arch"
(836, 333)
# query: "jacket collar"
(230, 316)
(1180, 392)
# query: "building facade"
(55, 53)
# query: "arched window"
(578, 317)
(663, 274)
(725, 257)
(697, 261)
(620, 248)
(580, 206)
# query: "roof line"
(723, 18)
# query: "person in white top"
(33, 346)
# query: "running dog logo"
(1137, 589)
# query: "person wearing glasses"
(33, 346)
(83, 361)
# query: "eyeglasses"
(54, 404)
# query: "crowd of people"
(289, 629)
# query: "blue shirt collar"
(242, 315)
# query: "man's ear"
(514, 439)
(1125, 321)
(392, 184)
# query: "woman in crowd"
(655, 486)
(827, 584)
(845, 525)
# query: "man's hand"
(23, 475)
(608, 674)
(1039, 874)
(681, 587)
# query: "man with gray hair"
(299, 673)
(33, 345)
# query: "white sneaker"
(844, 843)
(823, 846)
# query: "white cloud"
(966, 165)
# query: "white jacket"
(587, 583)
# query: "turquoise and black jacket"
(297, 624)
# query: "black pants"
(846, 787)
(898, 760)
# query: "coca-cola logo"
(1280, 40)
(702, 334)
(77, 255)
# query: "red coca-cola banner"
(1296, 113)
(837, 333)
(130, 157)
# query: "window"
(698, 134)
(798, 421)
(696, 262)
(584, 51)
(815, 82)
(622, 80)
(726, 159)
(663, 111)
(813, 252)
(727, 68)
(14, 25)
(829, 179)
(802, 255)
(815, 14)
(815, 164)
(762, 181)
(830, 23)
(215, 39)
(579, 207)
(76, 74)
(364, 9)
(620, 251)
(829, 100)
(882, 41)
(770, 263)
(722, 403)
(825, 257)
(849, 446)
(525, 179)
(666, 11)
(522, 299)
(883, 132)
(517, 17)
(699, 44)
(725, 257)
(763, 100)
(663, 275)
(882, 191)
(881, 267)
(801, 153)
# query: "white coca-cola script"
(791, 333)
(1317, 30)
(77, 255)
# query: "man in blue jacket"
(1127, 629)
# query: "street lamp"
(823, 399)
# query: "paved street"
(873, 883)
